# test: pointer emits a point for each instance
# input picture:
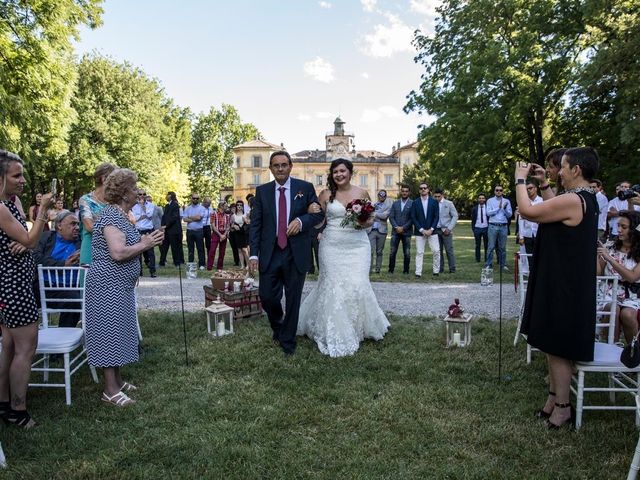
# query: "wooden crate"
(245, 304)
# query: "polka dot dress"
(17, 303)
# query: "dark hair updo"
(333, 188)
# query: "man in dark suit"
(480, 225)
(173, 231)
(281, 230)
(425, 214)
(400, 218)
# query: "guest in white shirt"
(194, 217)
(527, 229)
(480, 225)
(615, 206)
(143, 212)
(603, 204)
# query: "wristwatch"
(521, 181)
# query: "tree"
(214, 135)
(37, 75)
(496, 74)
(604, 106)
(124, 117)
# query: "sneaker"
(201, 268)
(418, 276)
(505, 269)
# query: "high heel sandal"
(20, 418)
(570, 422)
(541, 414)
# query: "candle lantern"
(458, 330)
(221, 316)
(486, 277)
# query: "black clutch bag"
(630, 356)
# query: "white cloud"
(365, 75)
(303, 117)
(388, 39)
(425, 7)
(368, 5)
(372, 115)
(325, 5)
(324, 115)
(319, 69)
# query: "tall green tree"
(124, 117)
(214, 135)
(496, 74)
(37, 74)
(604, 104)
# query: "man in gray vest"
(446, 224)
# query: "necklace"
(120, 209)
(581, 189)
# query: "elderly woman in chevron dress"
(111, 317)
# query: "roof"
(408, 146)
(259, 144)
(370, 153)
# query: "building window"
(257, 161)
(238, 162)
(238, 179)
(256, 179)
(363, 180)
(319, 181)
(388, 180)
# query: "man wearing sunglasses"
(425, 214)
(499, 213)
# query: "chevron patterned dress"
(111, 316)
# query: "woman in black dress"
(559, 313)
(18, 311)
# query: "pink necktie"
(282, 219)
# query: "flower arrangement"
(358, 212)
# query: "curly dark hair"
(333, 188)
(634, 235)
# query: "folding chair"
(68, 342)
(522, 264)
(606, 359)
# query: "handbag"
(630, 356)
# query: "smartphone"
(54, 186)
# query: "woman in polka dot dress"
(18, 312)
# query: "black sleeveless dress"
(560, 307)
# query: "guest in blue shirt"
(499, 213)
(60, 248)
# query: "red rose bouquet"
(358, 212)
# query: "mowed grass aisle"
(401, 408)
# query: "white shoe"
(201, 268)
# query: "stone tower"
(340, 143)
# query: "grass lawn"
(467, 270)
(404, 407)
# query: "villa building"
(373, 170)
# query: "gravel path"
(163, 293)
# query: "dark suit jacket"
(401, 218)
(263, 236)
(474, 215)
(42, 252)
(171, 218)
(418, 218)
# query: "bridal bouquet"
(358, 212)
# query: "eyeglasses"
(424, 188)
(195, 198)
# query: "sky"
(289, 66)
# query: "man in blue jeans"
(498, 212)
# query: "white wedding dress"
(342, 309)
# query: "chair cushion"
(59, 339)
(605, 354)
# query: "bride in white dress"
(342, 309)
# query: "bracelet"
(544, 187)
(42, 219)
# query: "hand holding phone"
(54, 186)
